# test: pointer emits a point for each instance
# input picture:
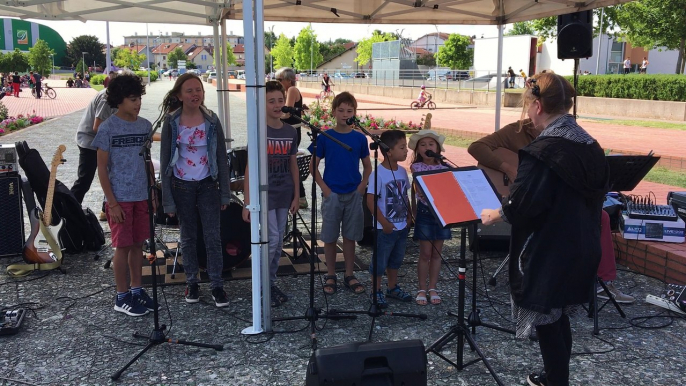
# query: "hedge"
(100, 79)
(633, 86)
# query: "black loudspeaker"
(494, 237)
(575, 35)
(369, 364)
(11, 215)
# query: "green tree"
(40, 57)
(4, 63)
(655, 24)
(269, 39)
(283, 52)
(455, 54)
(128, 58)
(230, 57)
(189, 65)
(85, 43)
(17, 61)
(427, 59)
(364, 47)
(174, 57)
(330, 49)
(521, 28)
(306, 51)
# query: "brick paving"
(67, 101)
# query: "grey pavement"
(72, 336)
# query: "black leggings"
(555, 341)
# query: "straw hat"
(423, 134)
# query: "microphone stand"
(312, 314)
(374, 310)
(157, 335)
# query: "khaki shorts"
(342, 213)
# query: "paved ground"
(73, 337)
(68, 100)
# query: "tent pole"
(499, 85)
(220, 94)
(108, 58)
(225, 84)
(254, 165)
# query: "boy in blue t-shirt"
(392, 216)
(125, 183)
(342, 187)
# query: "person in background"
(644, 65)
(423, 95)
(512, 75)
(108, 78)
(282, 180)
(554, 207)
(286, 76)
(36, 78)
(16, 83)
(195, 180)
(627, 65)
(523, 75)
(326, 82)
(70, 83)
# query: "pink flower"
(203, 160)
(190, 163)
(199, 133)
(180, 172)
(191, 148)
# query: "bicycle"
(45, 90)
(428, 103)
(327, 94)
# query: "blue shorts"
(426, 227)
(390, 249)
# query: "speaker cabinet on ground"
(494, 237)
(11, 215)
(575, 35)
(369, 364)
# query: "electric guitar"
(43, 244)
(499, 179)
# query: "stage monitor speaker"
(494, 237)
(11, 215)
(575, 35)
(369, 364)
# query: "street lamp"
(83, 64)
(53, 63)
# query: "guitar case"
(78, 232)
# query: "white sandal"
(421, 297)
(435, 299)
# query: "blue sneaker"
(146, 301)
(380, 299)
(130, 306)
(398, 294)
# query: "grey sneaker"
(619, 296)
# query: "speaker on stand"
(575, 35)
(11, 215)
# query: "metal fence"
(477, 80)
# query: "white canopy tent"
(215, 12)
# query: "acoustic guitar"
(43, 245)
(499, 179)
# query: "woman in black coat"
(555, 208)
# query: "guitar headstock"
(57, 158)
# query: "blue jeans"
(195, 199)
(276, 218)
(426, 227)
(390, 250)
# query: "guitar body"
(499, 179)
(42, 246)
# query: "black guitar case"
(78, 232)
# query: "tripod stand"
(461, 329)
(375, 310)
(593, 308)
(312, 314)
(295, 235)
(157, 334)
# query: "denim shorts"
(390, 250)
(427, 227)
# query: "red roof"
(239, 49)
(164, 48)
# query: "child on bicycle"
(424, 96)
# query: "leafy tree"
(454, 53)
(655, 24)
(283, 52)
(341, 41)
(174, 57)
(330, 49)
(85, 43)
(16, 61)
(306, 51)
(427, 59)
(128, 58)
(189, 65)
(230, 57)
(40, 58)
(364, 47)
(521, 28)
(269, 39)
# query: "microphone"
(291, 110)
(432, 154)
(351, 121)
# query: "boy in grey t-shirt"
(124, 181)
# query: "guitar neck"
(47, 212)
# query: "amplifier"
(652, 230)
(9, 161)
(678, 201)
(11, 215)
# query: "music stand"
(456, 198)
(295, 234)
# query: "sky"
(71, 29)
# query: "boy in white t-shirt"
(392, 215)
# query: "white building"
(431, 42)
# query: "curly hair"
(124, 86)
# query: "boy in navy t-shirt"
(343, 188)
(125, 182)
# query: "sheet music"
(477, 189)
